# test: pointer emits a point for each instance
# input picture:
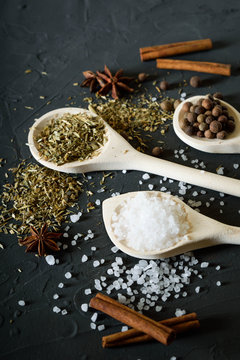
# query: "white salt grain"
(220, 170)
(180, 312)
(197, 289)
(218, 283)
(173, 358)
(124, 328)
(146, 176)
(101, 327)
(96, 263)
(93, 326)
(21, 303)
(84, 258)
(218, 267)
(55, 296)
(84, 307)
(159, 220)
(64, 312)
(150, 186)
(204, 265)
(56, 309)
(68, 275)
(75, 217)
(50, 259)
(88, 291)
(60, 285)
(94, 317)
(236, 166)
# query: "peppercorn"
(203, 126)
(218, 95)
(199, 110)
(192, 117)
(166, 105)
(189, 130)
(217, 111)
(201, 118)
(200, 133)
(215, 126)
(186, 106)
(142, 77)
(230, 126)
(207, 104)
(157, 151)
(183, 122)
(208, 112)
(223, 119)
(176, 103)
(192, 108)
(221, 134)
(209, 119)
(195, 81)
(164, 85)
(208, 134)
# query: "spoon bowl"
(118, 154)
(203, 232)
(230, 145)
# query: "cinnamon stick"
(156, 330)
(159, 51)
(200, 66)
(179, 324)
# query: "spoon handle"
(142, 162)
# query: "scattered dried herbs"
(71, 137)
(38, 195)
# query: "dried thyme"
(129, 118)
(38, 195)
(71, 137)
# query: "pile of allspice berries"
(207, 118)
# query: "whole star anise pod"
(41, 241)
(114, 83)
(92, 81)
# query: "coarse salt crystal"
(55, 296)
(124, 328)
(56, 309)
(84, 258)
(64, 312)
(204, 264)
(218, 283)
(88, 291)
(101, 327)
(60, 285)
(94, 317)
(84, 307)
(75, 217)
(146, 176)
(220, 170)
(180, 312)
(96, 263)
(150, 186)
(21, 303)
(68, 275)
(197, 289)
(236, 166)
(218, 267)
(65, 235)
(93, 326)
(50, 260)
(97, 202)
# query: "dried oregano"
(37, 195)
(71, 137)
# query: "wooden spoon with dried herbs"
(113, 152)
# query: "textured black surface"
(63, 38)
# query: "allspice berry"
(176, 103)
(218, 95)
(203, 126)
(201, 118)
(209, 119)
(199, 110)
(183, 122)
(200, 133)
(230, 126)
(221, 135)
(192, 117)
(189, 130)
(215, 126)
(186, 106)
(142, 77)
(157, 151)
(208, 134)
(164, 85)
(195, 81)
(207, 104)
(192, 108)
(166, 105)
(223, 119)
(217, 111)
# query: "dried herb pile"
(71, 137)
(131, 118)
(38, 195)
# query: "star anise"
(92, 81)
(114, 83)
(41, 241)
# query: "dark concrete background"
(63, 39)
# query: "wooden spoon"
(230, 145)
(118, 154)
(204, 231)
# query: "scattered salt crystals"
(180, 312)
(218, 283)
(94, 317)
(197, 289)
(56, 309)
(150, 186)
(88, 291)
(97, 202)
(21, 303)
(84, 307)
(65, 246)
(163, 188)
(73, 242)
(67, 228)
(84, 258)
(204, 265)
(160, 220)
(220, 170)
(115, 194)
(68, 275)
(50, 259)
(154, 98)
(89, 177)
(93, 326)
(222, 194)
(195, 193)
(124, 171)
(221, 203)
(97, 285)
(236, 166)
(158, 308)
(203, 192)
(64, 312)
(55, 296)
(75, 217)
(140, 182)
(173, 358)
(184, 157)
(93, 248)
(124, 328)
(218, 267)
(65, 235)
(60, 285)
(101, 327)
(96, 263)
(100, 190)
(146, 176)
(207, 204)
(114, 249)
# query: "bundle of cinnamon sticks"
(162, 51)
(143, 328)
